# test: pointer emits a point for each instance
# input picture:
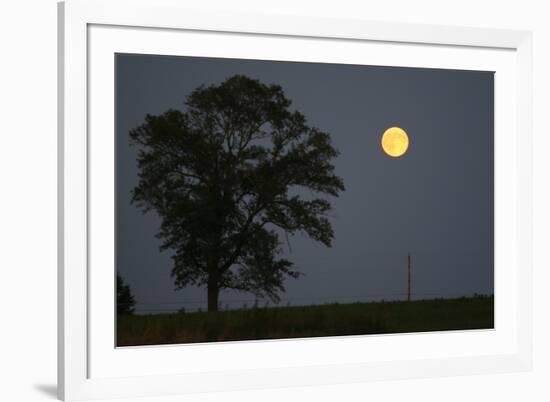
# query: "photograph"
(266, 199)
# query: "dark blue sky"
(435, 202)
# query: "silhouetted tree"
(225, 177)
(125, 301)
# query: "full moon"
(395, 142)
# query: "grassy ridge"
(306, 321)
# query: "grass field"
(306, 321)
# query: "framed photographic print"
(253, 201)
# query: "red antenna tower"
(409, 277)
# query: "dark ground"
(307, 321)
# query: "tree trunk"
(213, 293)
(213, 284)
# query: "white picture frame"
(91, 367)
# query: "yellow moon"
(395, 142)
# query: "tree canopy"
(125, 301)
(229, 175)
